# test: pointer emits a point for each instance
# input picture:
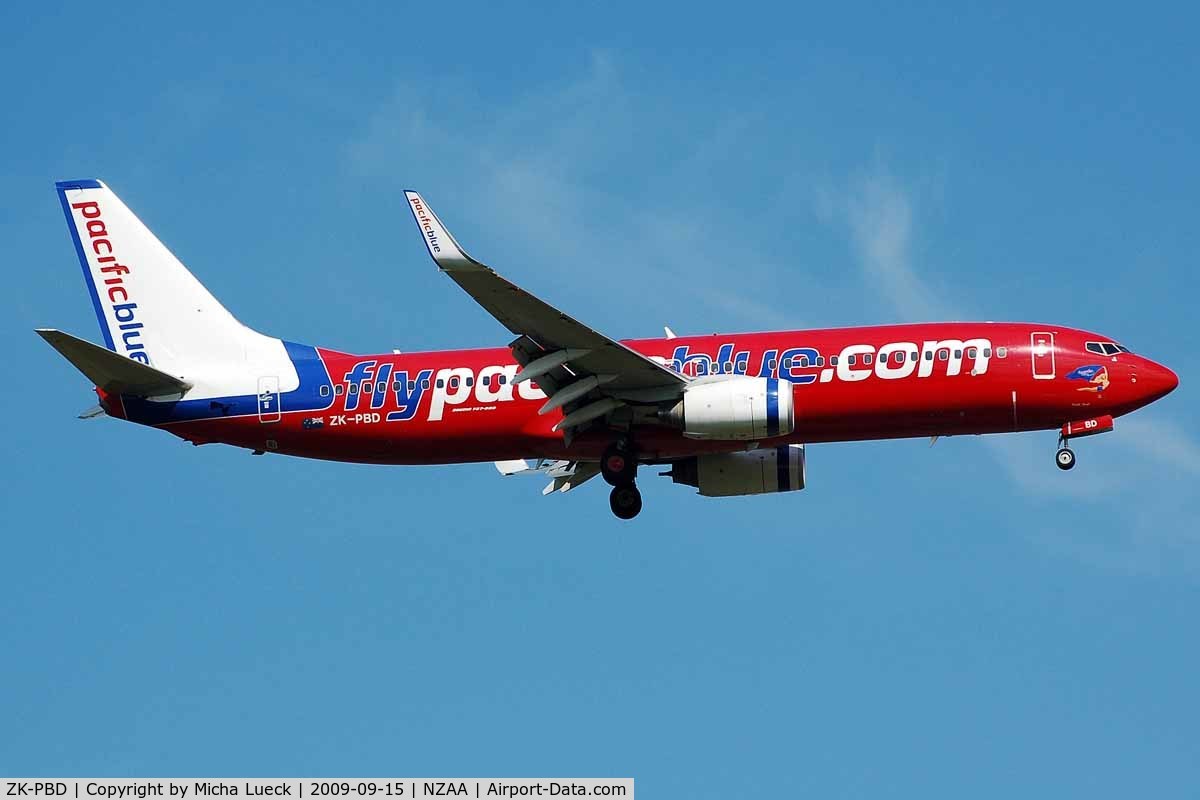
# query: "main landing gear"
(625, 501)
(618, 466)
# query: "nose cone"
(1156, 381)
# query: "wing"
(585, 373)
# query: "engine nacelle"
(736, 408)
(772, 469)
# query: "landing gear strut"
(618, 466)
(1065, 457)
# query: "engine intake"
(765, 471)
(737, 408)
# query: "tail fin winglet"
(111, 372)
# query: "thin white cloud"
(533, 177)
(1162, 441)
(878, 212)
(1146, 477)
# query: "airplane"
(726, 414)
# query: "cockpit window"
(1106, 348)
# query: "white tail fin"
(151, 309)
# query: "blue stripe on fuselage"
(305, 397)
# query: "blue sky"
(962, 619)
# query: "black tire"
(618, 466)
(625, 501)
(1065, 458)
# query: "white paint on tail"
(152, 310)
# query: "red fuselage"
(881, 382)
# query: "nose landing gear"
(1065, 457)
(618, 466)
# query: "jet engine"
(765, 471)
(736, 408)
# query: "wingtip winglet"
(442, 247)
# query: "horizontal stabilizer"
(111, 372)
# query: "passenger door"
(1041, 355)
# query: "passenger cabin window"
(324, 391)
(929, 355)
(868, 358)
(958, 353)
(972, 352)
(339, 389)
(772, 364)
(914, 355)
(987, 352)
(354, 388)
(943, 354)
(1001, 352)
(851, 359)
(425, 383)
(833, 361)
(741, 366)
